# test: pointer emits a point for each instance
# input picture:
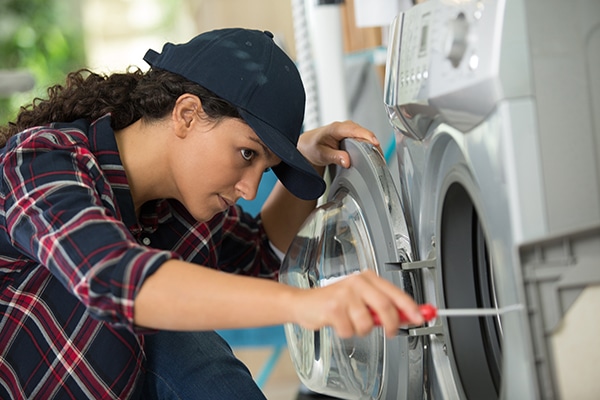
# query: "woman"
(118, 220)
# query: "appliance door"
(360, 227)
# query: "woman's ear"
(187, 109)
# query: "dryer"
(494, 201)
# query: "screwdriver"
(429, 312)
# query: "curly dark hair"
(128, 96)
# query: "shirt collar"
(104, 145)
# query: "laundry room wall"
(272, 15)
(115, 27)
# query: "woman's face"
(218, 163)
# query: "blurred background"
(341, 63)
(49, 38)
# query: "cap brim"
(294, 172)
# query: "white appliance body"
(495, 202)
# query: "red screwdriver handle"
(428, 312)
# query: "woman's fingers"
(400, 301)
(384, 299)
(347, 306)
(321, 146)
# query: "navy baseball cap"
(246, 68)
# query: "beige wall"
(118, 32)
(272, 15)
(276, 16)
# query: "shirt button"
(146, 241)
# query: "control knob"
(456, 44)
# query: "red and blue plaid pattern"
(73, 257)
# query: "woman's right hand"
(346, 306)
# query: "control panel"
(444, 63)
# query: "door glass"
(332, 244)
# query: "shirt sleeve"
(60, 213)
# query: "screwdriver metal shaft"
(477, 312)
(430, 312)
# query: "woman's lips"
(225, 203)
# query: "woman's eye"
(247, 154)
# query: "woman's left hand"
(282, 213)
(321, 146)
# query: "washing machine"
(492, 202)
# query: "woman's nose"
(248, 185)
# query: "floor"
(265, 353)
(273, 370)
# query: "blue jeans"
(195, 365)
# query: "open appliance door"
(360, 227)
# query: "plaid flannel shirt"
(73, 256)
